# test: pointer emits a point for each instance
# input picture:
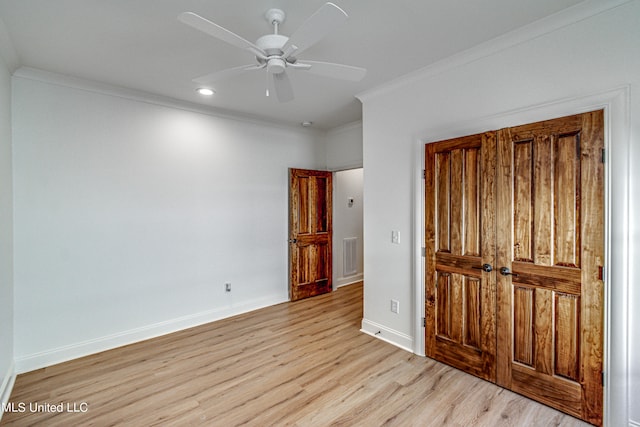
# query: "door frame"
(617, 257)
(359, 277)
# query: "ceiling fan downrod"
(275, 17)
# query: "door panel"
(534, 203)
(310, 232)
(460, 223)
(550, 196)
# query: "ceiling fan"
(275, 52)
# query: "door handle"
(487, 268)
(506, 272)
(293, 240)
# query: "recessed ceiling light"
(306, 124)
(205, 91)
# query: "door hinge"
(603, 159)
(424, 322)
(602, 378)
(424, 173)
(423, 251)
(601, 272)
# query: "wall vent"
(350, 254)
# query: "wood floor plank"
(295, 364)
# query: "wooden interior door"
(310, 233)
(531, 206)
(460, 239)
(551, 238)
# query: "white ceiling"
(139, 44)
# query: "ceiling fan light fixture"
(205, 91)
(276, 65)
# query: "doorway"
(325, 230)
(348, 236)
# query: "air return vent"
(350, 254)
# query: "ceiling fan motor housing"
(272, 44)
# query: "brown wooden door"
(531, 206)
(310, 232)
(551, 237)
(460, 239)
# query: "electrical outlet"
(227, 287)
(395, 237)
(395, 306)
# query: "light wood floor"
(296, 364)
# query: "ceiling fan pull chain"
(267, 83)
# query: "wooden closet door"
(460, 239)
(551, 238)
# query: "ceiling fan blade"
(215, 30)
(335, 71)
(224, 74)
(283, 88)
(322, 22)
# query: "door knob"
(293, 240)
(506, 272)
(484, 267)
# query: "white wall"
(130, 216)
(545, 68)
(347, 223)
(6, 237)
(344, 147)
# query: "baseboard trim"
(57, 355)
(344, 281)
(389, 335)
(7, 387)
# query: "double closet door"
(514, 224)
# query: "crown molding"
(78, 83)
(345, 128)
(549, 24)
